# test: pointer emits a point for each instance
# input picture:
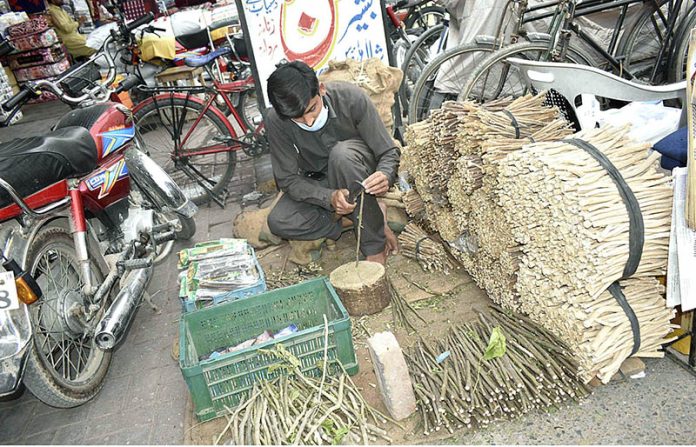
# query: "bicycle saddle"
(199, 61)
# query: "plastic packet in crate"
(211, 277)
(212, 249)
(223, 274)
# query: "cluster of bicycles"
(648, 43)
(196, 132)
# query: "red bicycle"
(195, 132)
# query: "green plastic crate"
(227, 380)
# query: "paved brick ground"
(144, 396)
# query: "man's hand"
(339, 201)
(376, 184)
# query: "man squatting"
(323, 138)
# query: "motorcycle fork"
(78, 228)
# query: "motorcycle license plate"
(8, 292)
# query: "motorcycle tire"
(51, 380)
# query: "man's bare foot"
(379, 257)
(392, 243)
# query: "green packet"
(209, 249)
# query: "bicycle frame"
(218, 89)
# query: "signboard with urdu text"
(315, 31)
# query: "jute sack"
(379, 81)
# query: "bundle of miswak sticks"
(543, 226)
(430, 254)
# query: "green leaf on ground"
(496, 345)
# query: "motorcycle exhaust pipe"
(112, 327)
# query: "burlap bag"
(379, 81)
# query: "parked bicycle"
(195, 132)
(634, 59)
(477, 74)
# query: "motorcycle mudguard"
(16, 242)
(156, 184)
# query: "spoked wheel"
(426, 47)
(443, 77)
(495, 78)
(64, 368)
(191, 146)
(641, 43)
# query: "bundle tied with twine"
(545, 231)
(431, 158)
(430, 253)
(589, 225)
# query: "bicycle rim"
(678, 60)
(642, 42)
(495, 78)
(443, 78)
(421, 52)
(186, 162)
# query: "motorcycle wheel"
(65, 368)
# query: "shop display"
(27, 42)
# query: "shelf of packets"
(218, 271)
(7, 90)
(40, 52)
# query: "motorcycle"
(85, 215)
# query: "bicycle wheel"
(425, 17)
(677, 61)
(426, 47)
(495, 77)
(443, 77)
(640, 44)
(200, 160)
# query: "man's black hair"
(290, 88)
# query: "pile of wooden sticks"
(539, 224)
(456, 387)
(302, 410)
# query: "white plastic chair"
(573, 80)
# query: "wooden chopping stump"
(363, 289)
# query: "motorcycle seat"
(31, 164)
(199, 61)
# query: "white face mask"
(319, 122)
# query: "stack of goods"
(41, 53)
(217, 271)
(571, 230)
(6, 92)
(497, 368)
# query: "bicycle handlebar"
(20, 98)
(142, 20)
